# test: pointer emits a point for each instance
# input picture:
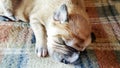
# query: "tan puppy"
(61, 27)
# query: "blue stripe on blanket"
(22, 59)
(15, 59)
(87, 60)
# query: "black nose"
(64, 61)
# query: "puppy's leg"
(6, 5)
(40, 34)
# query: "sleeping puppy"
(61, 27)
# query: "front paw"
(41, 51)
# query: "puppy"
(61, 27)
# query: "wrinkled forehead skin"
(79, 26)
(79, 30)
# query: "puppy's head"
(68, 34)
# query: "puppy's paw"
(41, 51)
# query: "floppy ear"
(61, 14)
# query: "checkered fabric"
(17, 50)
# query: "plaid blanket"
(17, 48)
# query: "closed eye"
(60, 41)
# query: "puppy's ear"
(61, 14)
(93, 37)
